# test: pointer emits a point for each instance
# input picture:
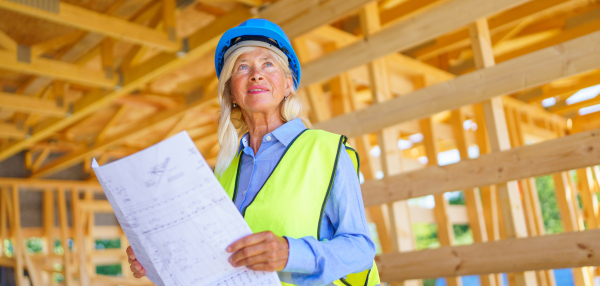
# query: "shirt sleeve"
(349, 249)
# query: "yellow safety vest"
(292, 200)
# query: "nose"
(256, 76)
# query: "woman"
(297, 188)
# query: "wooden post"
(445, 228)
(314, 92)
(89, 239)
(508, 193)
(566, 205)
(533, 212)
(49, 224)
(400, 227)
(64, 236)
(489, 194)
(15, 229)
(78, 237)
(472, 197)
(3, 218)
(588, 198)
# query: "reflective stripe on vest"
(292, 200)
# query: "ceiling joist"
(88, 20)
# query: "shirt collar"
(284, 133)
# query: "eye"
(243, 67)
(269, 64)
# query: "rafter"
(7, 42)
(30, 104)
(74, 16)
(496, 23)
(200, 43)
(11, 131)
(55, 69)
(56, 43)
(575, 56)
(419, 30)
(135, 131)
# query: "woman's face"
(258, 82)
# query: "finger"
(130, 253)
(249, 240)
(268, 266)
(258, 259)
(249, 251)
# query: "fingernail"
(228, 249)
(131, 256)
(137, 267)
(230, 260)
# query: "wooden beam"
(55, 69)
(565, 250)
(496, 23)
(401, 36)
(38, 185)
(80, 18)
(55, 43)
(299, 17)
(131, 133)
(30, 104)
(557, 62)
(200, 43)
(571, 152)
(11, 131)
(7, 42)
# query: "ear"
(289, 85)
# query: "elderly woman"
(297, 188)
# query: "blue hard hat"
(258, 30)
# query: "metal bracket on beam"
(185, 48)
(52, 6)
(108, 72)
(120, 81)
(184, 3)
(172, 34)
(24, 53)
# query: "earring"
(234, 105)
(285, 97)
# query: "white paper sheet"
(176, 216)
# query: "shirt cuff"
(301, 258)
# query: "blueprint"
(176, 216)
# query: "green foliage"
(34, 244)
(457, 198)
(108, 243)
(112, 270)
(426, 235)
(550, 213)
(428, 282)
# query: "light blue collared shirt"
(345, 245)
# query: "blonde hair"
(231, 119)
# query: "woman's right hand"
(135, 266)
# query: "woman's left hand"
(263, 251)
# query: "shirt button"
(244, 193)
(268, 138)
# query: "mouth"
(257, 89)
